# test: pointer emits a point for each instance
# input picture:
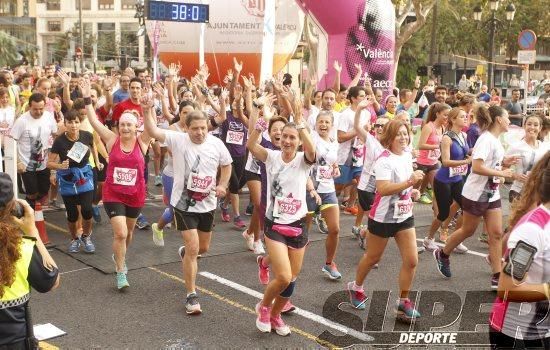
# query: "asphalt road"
(151, 313)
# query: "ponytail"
(486, 117)
(436, 108)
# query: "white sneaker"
(461, 249)
(259, 248)
(429, 244)
(249, 239)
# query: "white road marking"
(84, 268)
(468, 252)
(304, 313)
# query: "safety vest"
(19, 292)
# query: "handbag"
(74, 181)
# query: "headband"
(129, 118)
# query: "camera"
(18, 210)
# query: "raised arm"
(255, 127)
(107, 88)
(307, 141)
(66, 92)
(362, 134)
(222, 114)
(357, 77)
(337, 77)
(150, 125)
(106, 135)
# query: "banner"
(235, 29)
(354, 32)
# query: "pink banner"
(359, 32)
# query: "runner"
(124, 188)
(197, 155)
(480, 195)
(448, 181)
(391, 216)
(72, 173)
(322, 175)
(286, 235)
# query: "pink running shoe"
(263, 271)
(279, 325)
(288, 308)
(263, 322)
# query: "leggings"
(237, 180)
(445, 193)
(84, 200)
(167, 184)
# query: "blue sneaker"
(121, 281)
(74, 247)
(406, 311)
(142, 222)
(331, 271)
(357, 298)
(96, 214)
(89, 246)
(443, 264)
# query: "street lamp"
(492, 23)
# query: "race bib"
(199, 182)
(496, 179)
(402, 209)
(434, 154)
(125, 176)
(235, 137)
(324, 173)
(461, 170)
(286, 206)
(77, 152)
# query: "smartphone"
(520, 260)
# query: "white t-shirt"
(32, 136)
(480, 188)
(195, 169)
(372, 152)
(286, 187)
(312, 120)
(321, 173)
(529, 156)
(531, 318)
(397, 207)
(345, 124)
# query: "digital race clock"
(177, 12)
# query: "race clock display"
(177, 12)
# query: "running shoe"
(263, 321)
(430, 193)
(406, 311)
(263, 271)
(420, 250)
(288, 308)
(121, 281)
(321, 224)
(158, 180)
(249, 240)
(96, 214)
(74, 246)
(158, 235)
(356, 231)
(494, 281)
(425, 198)
(259, 248)
(238, 222)
(331, 271)
(192, 306)
(142, 222)
(352, 210)
(357, 298)
(443, 234)
(181, 252)
(57, 206)
(429, 244)
(460, 249)
(362, 242)
(124, 267)
(89, 246)
(443, 264)
(344, 204)
(279, 325)
(225, 213)
(484, 237)
(249, 209)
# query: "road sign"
(527, 56)
(527, 39)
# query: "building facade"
(109, 28)
(17, 19)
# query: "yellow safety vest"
(18, 293)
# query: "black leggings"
(502, 341)
(237, 180)
(84, 200)
(445, 193)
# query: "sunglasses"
(378, 125)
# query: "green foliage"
(8, 50)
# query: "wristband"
(87, 101)
(261, 125)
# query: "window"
(128, 4)
(86, 4)
(129, 43)
(106, 4)
(53, 5)
(107, 46)
(54, 26)
(8, 8)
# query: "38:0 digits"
(185, 12)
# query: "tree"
(8, 50)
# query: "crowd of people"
(306, 160)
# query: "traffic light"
(437, 70)
(422, 71)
